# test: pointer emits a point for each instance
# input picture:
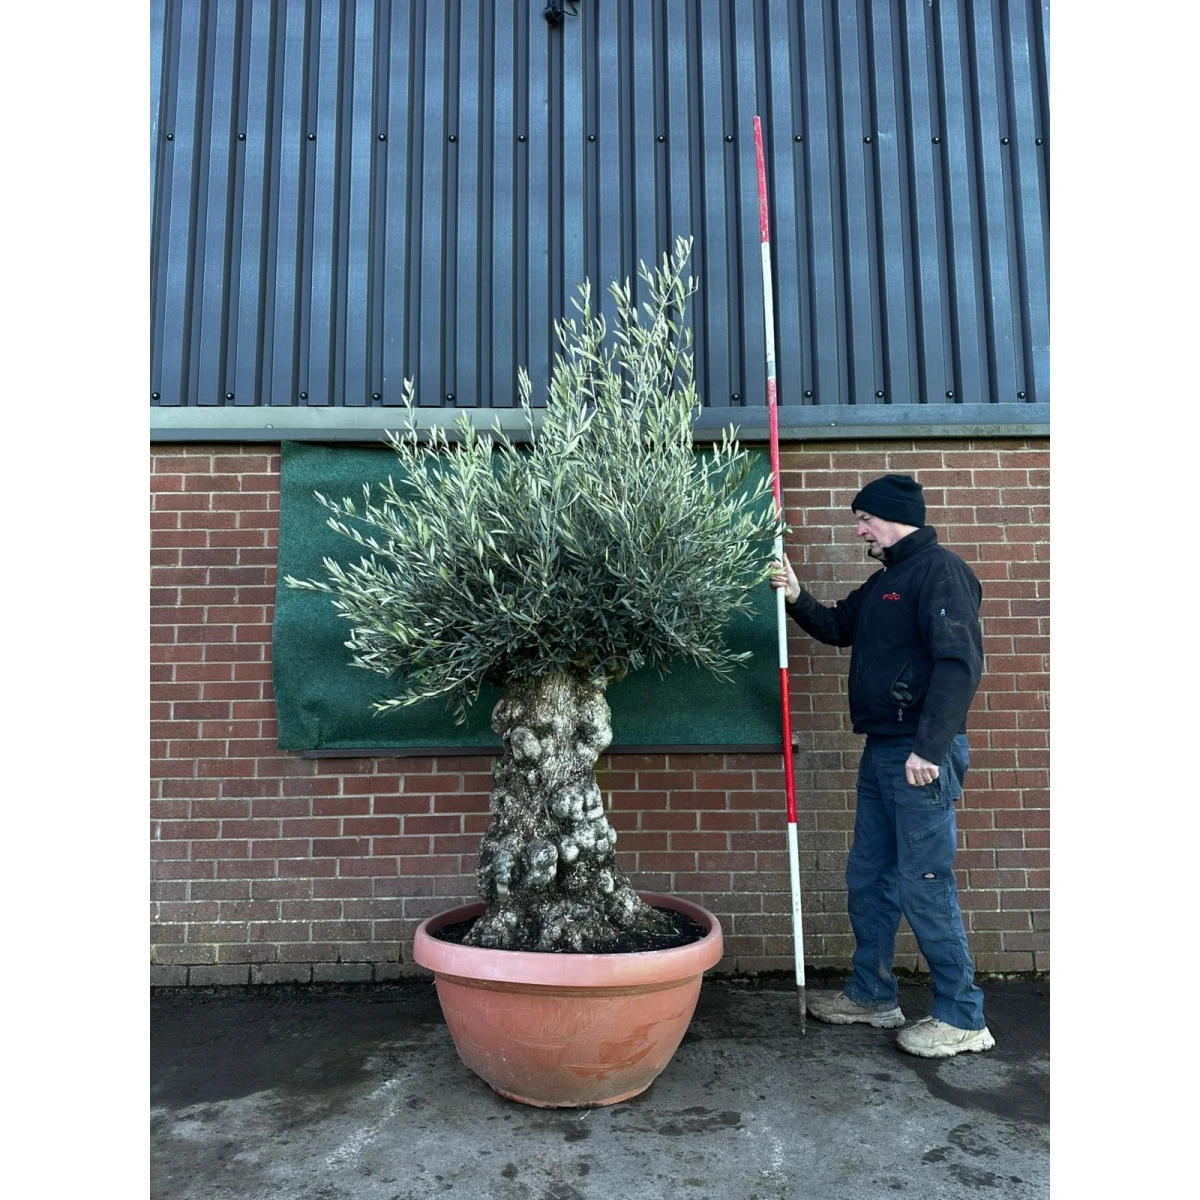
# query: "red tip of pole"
(763, 230)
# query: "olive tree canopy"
(604, 545)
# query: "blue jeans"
(902, 860)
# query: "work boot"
(835, 1009)
(931, 1038)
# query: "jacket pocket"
(901, 691)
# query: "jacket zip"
(900, 710)
(864, 622)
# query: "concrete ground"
(325, 1095)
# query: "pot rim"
(551, 969)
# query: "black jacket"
(918, 649)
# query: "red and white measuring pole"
(780, 615)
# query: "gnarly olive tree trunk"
(546, 868)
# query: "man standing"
(916, 661)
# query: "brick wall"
(267, 867)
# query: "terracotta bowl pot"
(567, 1030)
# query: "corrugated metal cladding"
(348, 193)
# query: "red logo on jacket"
(891, 596)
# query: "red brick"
(408, 847)
(306, 868)
(431, 783)
(671, 781)
(225, 768)
(273, 848)
(282, 889)
(691, 882)
(727, 820)
(638, 800)
(432, 865)
(369, 826)
(244, 786)
(394, 804)
(667, 861)
(414, 824)
(638, 841)
(466, 844)
(698, 800)
(340, 847)
(368, 867)
(461, 802)
(691, 840)
(670, 820)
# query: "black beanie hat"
(893, 498)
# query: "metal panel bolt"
(520, 137)
(867, 140)
(661, 138)
(241, 137)
(303, 395)
(376, 396)
(1004, 141)
(383, 137)
(312, 137)
(449, 397)
(808, 394)
(729, 137)
(591, 137)
(228, 395)
(949, 395)
(1020, 395)
(799, 137)
(878, 395)
(937, 141)
(156, 395)
(736, 398)
(454, 137)
(1037, 141)
(170, 137)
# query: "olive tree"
(604, 545)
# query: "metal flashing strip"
(796, 423)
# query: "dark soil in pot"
(683, 932)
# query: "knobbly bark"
(546, 867)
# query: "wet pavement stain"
(967, 1139)
(973, 1178)
(293, 1042)
(687, 1121)
(1024, 1096)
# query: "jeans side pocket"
(921, 810)
(930, 836)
